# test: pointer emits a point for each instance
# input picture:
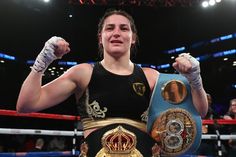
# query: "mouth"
(116, 42)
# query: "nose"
(116, 32)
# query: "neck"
(118, 66)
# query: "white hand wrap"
(46, 56)
(193, 76)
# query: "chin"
(117, 51)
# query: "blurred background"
(166, 28)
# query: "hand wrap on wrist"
(193, 76)
(46, 56)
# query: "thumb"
(175, 65)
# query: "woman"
(114, 87)
(230, 115)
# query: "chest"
(118, 96)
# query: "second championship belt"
(173, 120)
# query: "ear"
(133, 38)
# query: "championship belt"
(172, 119)
(119, 140)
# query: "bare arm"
(32, 96)
(189, 67)
(200, 101)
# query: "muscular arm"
(34, 97)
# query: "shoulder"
(150, 70)
(80, 69)
(80, 74)
(151, 75)
(82, 66)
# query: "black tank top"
(111, 95)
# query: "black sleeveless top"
(110, 95)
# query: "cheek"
(104, 38)
(130, 39)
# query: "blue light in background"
(5, 56)
(230, 52)
(180, 49)
(224, 53)
(30, 62)
(202, 43)
(170, 51)
(226, 37)
(163, 66)
(139, 65)
(215, 40)
(67, 63)
(153, 66)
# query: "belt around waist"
(91, 124)
(121, 140)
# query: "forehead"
(116, 19)
(233, 102)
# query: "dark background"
(26, 24)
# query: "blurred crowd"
(212, 147)
(32, 143)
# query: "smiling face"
(116, 36)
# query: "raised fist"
(53, 49)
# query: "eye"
(124, 28)
(109, 27)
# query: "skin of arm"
(200, 101)
(199, 96)
(34, 97)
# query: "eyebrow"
(111, 24)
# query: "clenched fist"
(53, 49)
(189, 67)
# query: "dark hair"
(110, 12)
